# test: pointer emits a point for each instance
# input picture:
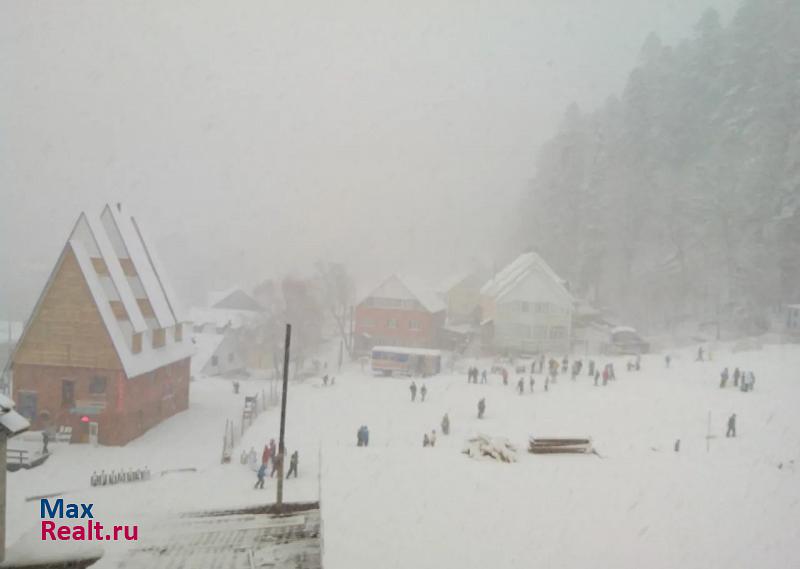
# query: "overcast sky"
(253, 138)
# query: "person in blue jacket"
(262, 473)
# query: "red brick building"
(400, 312)
(104, 349)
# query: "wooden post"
(2, 495)
(281, 448)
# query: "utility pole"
(281, 448)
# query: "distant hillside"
(680, 199)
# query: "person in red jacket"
(265, 456)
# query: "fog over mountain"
(257, 137)
(679, 199)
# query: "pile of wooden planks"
(560, 445)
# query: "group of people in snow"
(429, 440)
(744, 380)
(272, 460)
(423, 391)
(636, 364)
(472, 375)
(362, 436)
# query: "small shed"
(11, 424)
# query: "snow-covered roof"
(206, 345)
(11, 422)
(516, 272)
(113, 238)
(410, 351)
(405, 288)
(426, 296)
(234, 298)
(221, 317)
(620, 329)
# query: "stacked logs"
(560, 445)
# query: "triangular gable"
(237, 299)
(92, 241)
(394, 288)
(405, 288)
(66, 295)
(517, 272)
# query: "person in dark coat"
(426, 442)
(731, 432)
(699, 354)
(293, 465)
(591, 368)
(481, 408)
(446, 424)
(723, 378)
(667, 360)
(532, 382)
(45, 440)
(547, 383)
(422, 393)
(736, 375)
(261, 474)
(413, 388)
(564, 364)
(521, 385)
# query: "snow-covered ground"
(396, 504)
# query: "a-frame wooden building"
(104, 350)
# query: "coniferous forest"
(678, 201)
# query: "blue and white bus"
(395, 360)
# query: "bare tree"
(337, 292)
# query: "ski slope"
(396, 504)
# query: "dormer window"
(159, 338)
